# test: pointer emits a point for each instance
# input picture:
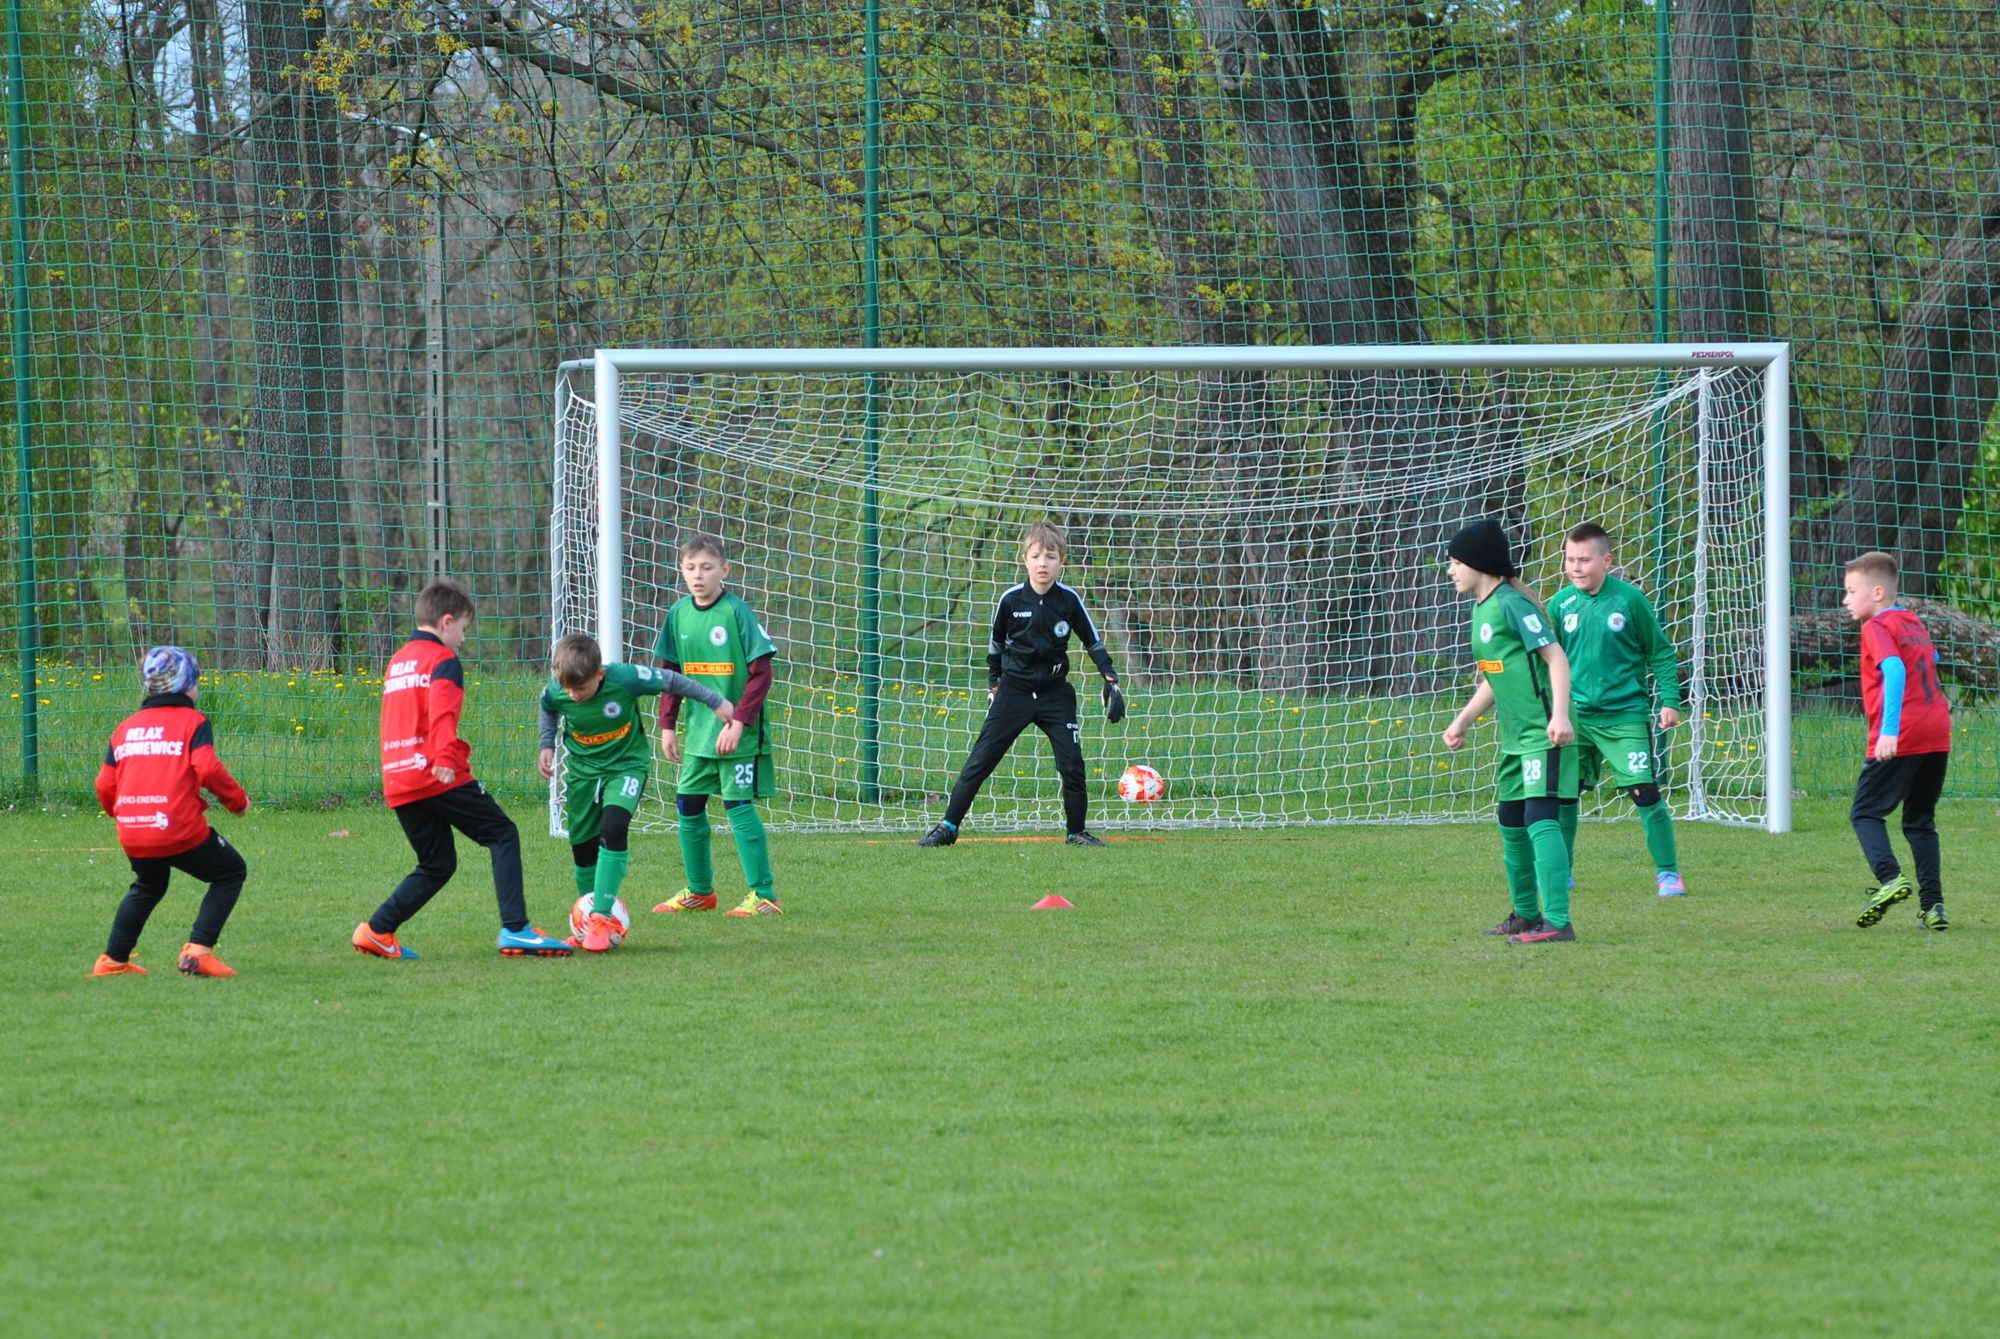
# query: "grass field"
(1274, 1084)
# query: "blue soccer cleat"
(1670, 883)
(532, 943)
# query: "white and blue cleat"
(1671, 885)
(532, 943)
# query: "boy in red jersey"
(160, 759)
(427, 781)
(1909, 741)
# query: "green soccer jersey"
(1507, 633)
(714, 646)
(1614, 642)
(604, 735)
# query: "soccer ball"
(580, 913)
(1141, 784)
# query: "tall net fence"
(291, 280)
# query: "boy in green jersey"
(712, 637)
(1614, 642)
(595, 707)
(1525, 675)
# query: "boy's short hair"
(1047, 535)
(577, 659)
(703, 542)
(1589, 531)
(443, 596)
(1876, 566)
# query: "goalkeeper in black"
(1027, 678)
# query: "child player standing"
(1525, 675)
(595, 707)
(1613, 639)
(160, 760)
(1909, 741)
(427, 781)
(712, 637)
(1027, 683)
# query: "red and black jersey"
(423, 694)
(1925, 724)
(161, 757)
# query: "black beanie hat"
(1482, 546)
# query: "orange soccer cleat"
(110, 966)
(688, 900)
(600, 933)
(200, 960)
(379, 946)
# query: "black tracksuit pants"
(1913, 780)
(214, 862)
(1012, 711)
(429, 824)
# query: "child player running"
(1909, 741)
(1523, 673)
(1027, 683)
(1612, 637)
(712, 637)
(595, 708)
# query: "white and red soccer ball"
(579, 915)
(1140, 784)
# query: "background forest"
(294, 268)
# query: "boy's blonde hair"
(1876, 566)
(576, 660)
(1046, 535)
(443, 597)
(702, 542)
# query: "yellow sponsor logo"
(608, 737)
(1492, 666)
(724, 668)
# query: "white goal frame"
(609, 366)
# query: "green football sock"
(753, 848)
(586, 878)
(1567, 813)
(610, 874)
(1551, 870)
(1659, 826)
(694, 853)
(1517, 853)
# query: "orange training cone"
(1054, 902)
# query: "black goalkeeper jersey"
(1030, 646)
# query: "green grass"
(1273, 1084)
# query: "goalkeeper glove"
(1114, 702)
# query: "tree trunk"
(1905, 482)
(295, 298)
(1280, 80)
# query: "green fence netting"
(297, 276)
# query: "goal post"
(873, 500)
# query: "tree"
(295, 221)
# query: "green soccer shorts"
(1537, 776)
(1625, 747)
(585, 799)
(733, 778)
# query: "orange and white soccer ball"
(580, 912)
(1141, 784)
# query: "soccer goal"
(1258, 533)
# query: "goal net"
(1258, 534)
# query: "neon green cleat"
(1888, 895)
(1932, 918)
(754, 905)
